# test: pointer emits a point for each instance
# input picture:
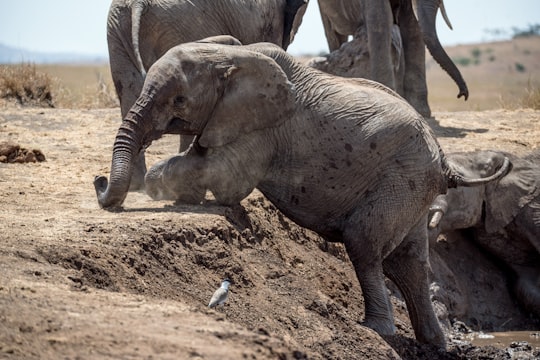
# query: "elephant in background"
(261, 119)
(504, 215)
(140, 31)
(343, 18)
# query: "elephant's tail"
(455, 179)
(137, 10)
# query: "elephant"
(378, 20)
(140, 31)
(504, 216)
(346, 158)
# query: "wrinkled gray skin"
(342, 18)
(347, 158)
(140, 31)
(504, 214)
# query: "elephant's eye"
(179, 100)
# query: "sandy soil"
(80, 282)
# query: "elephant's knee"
(177, 178)
(153, 182)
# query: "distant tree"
(497, 33)
(463, 61)
(530, 30)
(514, 32)
(476, 52)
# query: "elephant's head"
(213, 91)
(493, 205)
(426, 13)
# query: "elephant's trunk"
(127, 145)
(427, 12)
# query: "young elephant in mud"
(346, 158)
(504, 214)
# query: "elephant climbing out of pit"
(140, 31)
(504, 214)
(381, 30)
(347, 158)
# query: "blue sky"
(79, 26)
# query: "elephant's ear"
(257, 95)
(506, 197)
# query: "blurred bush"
(26, 85)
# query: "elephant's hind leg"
(407, 266)
(378, 308)
(365, 251)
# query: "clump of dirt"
(13, 153)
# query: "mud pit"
(78, 281)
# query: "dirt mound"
(13, 153)
(80, 281)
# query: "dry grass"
(26, 85)
(532, 98)
(502, 74)
(83, 86)
(529, 99)
(63, 86)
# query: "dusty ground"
(80, 282)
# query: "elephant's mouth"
(175, 126)
(179, 126)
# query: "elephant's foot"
(430, 335)
(382, 326)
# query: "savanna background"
(80, 282)
(500, 75)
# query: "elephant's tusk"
(415, 8)
(445, 15)
(443, 12)
(436, 218)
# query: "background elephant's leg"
(414, 80)
(398, 59)
(128, 83)
(332, 37)
(185, 141)
(139, 171)
(379, 21)
(407, 266)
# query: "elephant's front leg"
(229, 175)
(179, 178)
(233, 175)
